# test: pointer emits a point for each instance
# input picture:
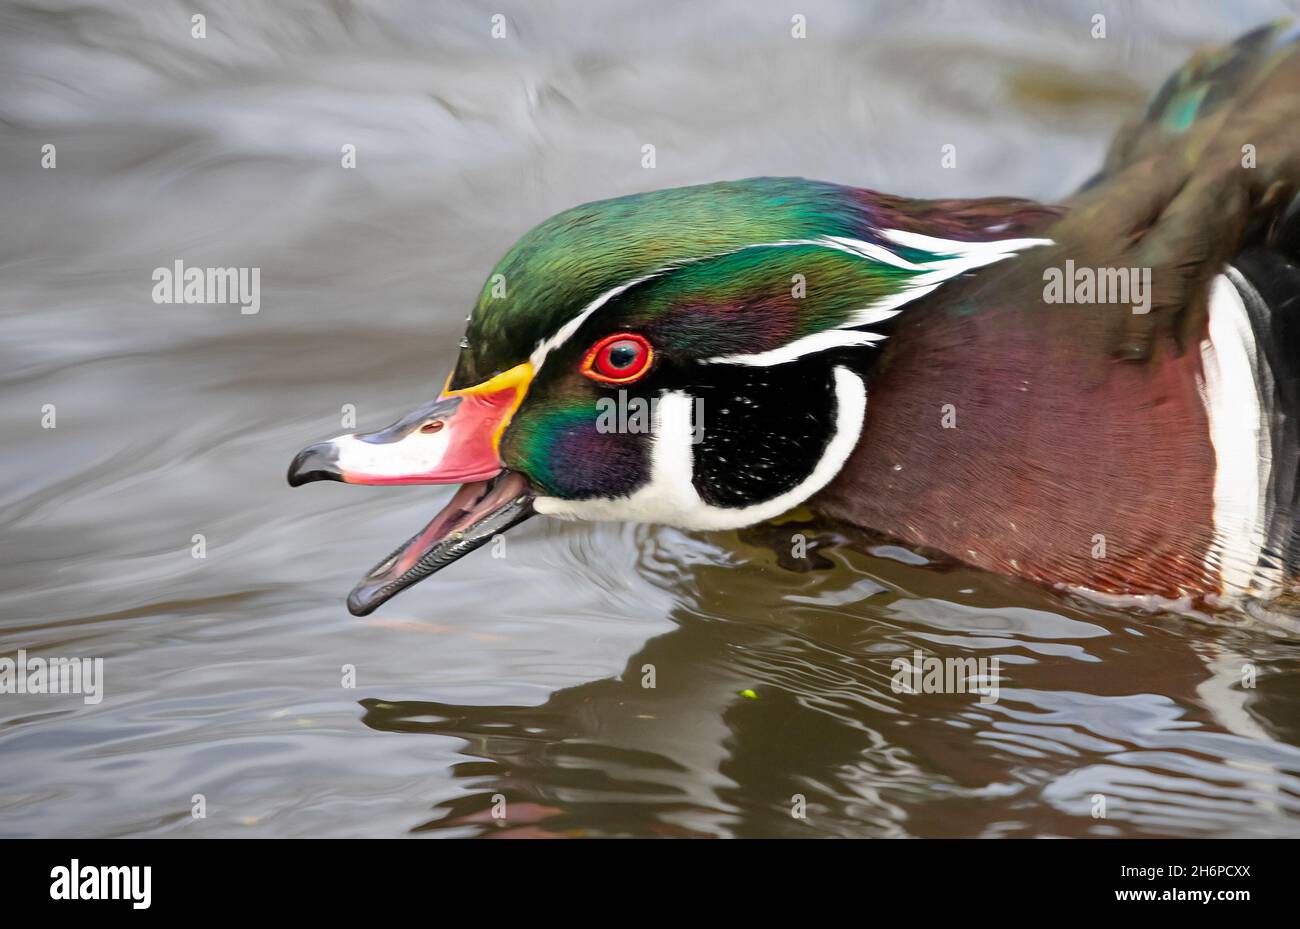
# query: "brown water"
(522, 676)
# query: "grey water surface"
(522, 677)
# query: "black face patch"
(764, 428)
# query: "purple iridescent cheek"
(575, 453)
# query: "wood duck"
(1100, 395)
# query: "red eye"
(618, 359)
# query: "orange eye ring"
(620, 358)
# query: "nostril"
(431, 428)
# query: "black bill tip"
(315, 463)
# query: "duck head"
(697, 357)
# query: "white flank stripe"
(1240, 436)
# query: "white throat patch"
(669, 497)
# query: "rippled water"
(522, 676)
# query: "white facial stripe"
(414, 453)
(996, 249)
(670, 498)
(957, 257)
(817, 342)
(866, 250)
(563, 334)
(1235, 381)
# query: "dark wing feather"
(1177, 189)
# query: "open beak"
(453, 440)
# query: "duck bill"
(478, 512)
(453, 440)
